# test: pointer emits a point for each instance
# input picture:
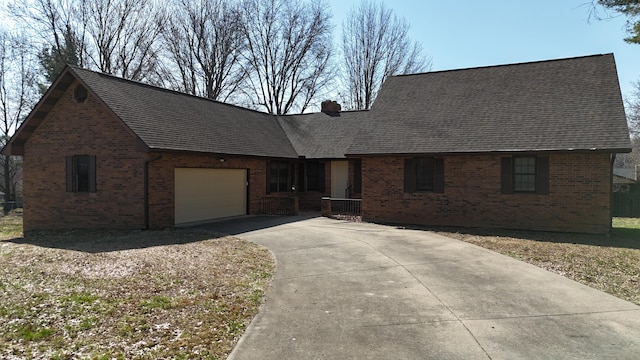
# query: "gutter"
(613, 160)
(146, 189)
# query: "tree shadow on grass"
(100, 241)
(620, 237)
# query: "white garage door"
(205, 194)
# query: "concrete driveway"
(363, 291)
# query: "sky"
(470, 33)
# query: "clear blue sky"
(466, 33)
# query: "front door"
(339, 178)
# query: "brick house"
(526, 146)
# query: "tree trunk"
(7, 185)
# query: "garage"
(206, 194)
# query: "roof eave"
(505, 151)
(15, 145)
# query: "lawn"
(173, 294)
(608, 263)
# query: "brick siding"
(579, 199)
(87, 128)
(162, 187)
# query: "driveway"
(347, 290)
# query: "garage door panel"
(205, 194)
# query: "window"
(424, 174)
(81, 173)
(525, 174)
(278, 176)
(424, 170)
(314, 176)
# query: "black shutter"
(69, 172)
(542, 175)
(268, 173)
(357, 176)
(321, 170)
(409, 176)
(92, 173)
(438, 180)
(506, 176)
(301, 185)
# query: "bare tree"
(632, 109)
(375, 45)
(55, 22)
(120, 37)
(125, 37)
(205, 43)
(18, 92)
(628, 8)
(288, 52)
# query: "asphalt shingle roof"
(170, 120)
(568, 104)
(320, 136)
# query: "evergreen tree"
(53, 59)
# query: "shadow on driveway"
(247, 224)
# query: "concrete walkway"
(363, 291)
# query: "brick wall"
(86, 128)
(162, 187)
(579, 199)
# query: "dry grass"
(178, 294)
(608, 263)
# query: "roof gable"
(568, 104)
(170, 120)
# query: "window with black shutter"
(424, 174)
(525, 174)
(81, 173)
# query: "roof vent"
(80, 94)
(331, 108)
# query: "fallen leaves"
(155, 294)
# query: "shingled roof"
(568, 104)
(320, 136)
(169, 120)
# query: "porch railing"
(338, 206)
(285, 206)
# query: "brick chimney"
(330, 107)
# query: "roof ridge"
(504, 65)
(320, 112)
(159, 88)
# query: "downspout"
(613, 160)
(146, 189)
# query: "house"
(625, 177)
(525, 146)
(626, 192)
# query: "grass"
(608, 263)
(174, 294)
(627, 228)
